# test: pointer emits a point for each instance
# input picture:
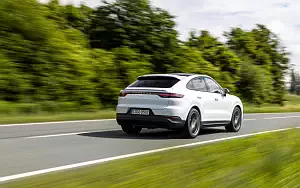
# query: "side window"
(213, 86)
(197, 84)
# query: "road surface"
(31, 147)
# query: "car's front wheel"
(236, 121)
(193, 124)
(130, 129)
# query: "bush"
(255, 85)
(28, 108)
(89, 108)
(7, 107)
(49, 106)
(298, 89)
(68, 106)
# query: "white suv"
(178, 101)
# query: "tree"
(191, 60)
(255, 85)
(55, 13)
(219, 55)
(51, 59)
(297, 83)
(104, 76)
(24, 34)
(78, 17)
(63, 55)
(130, 64)
(262, 48)
(293, 82)
(137, 25)
(12, 83)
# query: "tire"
(236, 121)
(193, 124)
(130, 129)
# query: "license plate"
(140, 112)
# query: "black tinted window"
(156, 82)
(213, 86)
(197, 84)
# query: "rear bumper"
(151, 121)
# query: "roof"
(174, 75)
(183, 74)
(178, 76)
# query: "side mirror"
(226, 91)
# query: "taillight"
(123, 94)
(170, 95)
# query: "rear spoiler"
(158, 77)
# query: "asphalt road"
(31, 147)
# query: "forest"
(56, 57)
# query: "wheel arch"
(240, 106)
(195, 107)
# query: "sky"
(217, 16)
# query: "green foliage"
(62, 57)
(137, 25)
(191, 60)
(132, 23)
(104, 76)
(220, 56)
(255, 84)
(295, 83)
(263, 48)
(130, 65)
(12, 84)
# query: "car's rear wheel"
(130, 129)
(193, 124)
(236, 121)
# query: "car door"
(226, 105)
(204, 100)
(219, 107)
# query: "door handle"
(199, 97)
(216, 99)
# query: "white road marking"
(282, 117)
(275, 118)
(56, 135)
(250, 119)
(57, 122)
(69, 134)
(87, 163)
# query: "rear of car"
(152, 102)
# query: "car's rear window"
(155, 82)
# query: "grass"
(271, 108)
(291, 105)
(68, 116)
(269, 160)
